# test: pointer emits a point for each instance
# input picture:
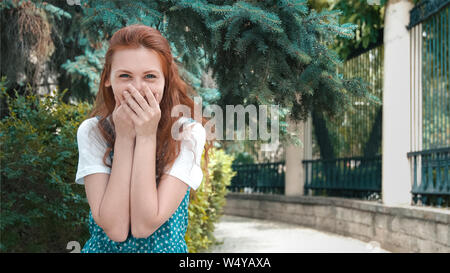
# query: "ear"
(107, 83)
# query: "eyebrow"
(145, 72)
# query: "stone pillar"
(396, 176)
(295, 171)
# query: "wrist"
(146, 139)
(124, 139)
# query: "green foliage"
(206, 208)
(370, 22)
(49, 8)
(263, 52)
(259, 52)
(368, 16)
(42, 208)
(244, 158)
(87, 67)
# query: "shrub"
(42, 209)
(206, 207)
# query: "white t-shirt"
(92, 147)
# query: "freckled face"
(138, 66)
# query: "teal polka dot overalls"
(169, 238)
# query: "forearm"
(144, 197)
(114, 209)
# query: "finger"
(130, 112)
(150, 97)
(116, 99)
(138, 98)
(120, 98)
(130, 101)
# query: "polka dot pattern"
(169, 238)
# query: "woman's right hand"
(123, 124)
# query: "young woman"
(139, 201)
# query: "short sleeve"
(91, 150)
(187, 165)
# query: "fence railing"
(430, 103)
(430, 82)
(355, 129)
(353, 177)
(431, 177)
(259, 178)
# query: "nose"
(139, 85)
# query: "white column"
(295, 171)
(396, 180)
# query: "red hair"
(175, 92)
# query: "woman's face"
(139, 67)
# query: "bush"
(243, 158)
(206, 207)
(42, 208)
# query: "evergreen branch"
(261, 16)
(297, 5)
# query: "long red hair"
(175, 92)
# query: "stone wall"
(395, 228)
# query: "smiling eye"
(153, 76)
(122, 75)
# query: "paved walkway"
(241, 234)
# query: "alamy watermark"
(74, 246)
(257, 122)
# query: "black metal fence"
(259, 178)
(352, 177)
(431, 177)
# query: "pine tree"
(259, 52)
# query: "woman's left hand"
(144, 113)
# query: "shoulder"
(86, 126)
(89, 131)
(89, 122)
(192, 128)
